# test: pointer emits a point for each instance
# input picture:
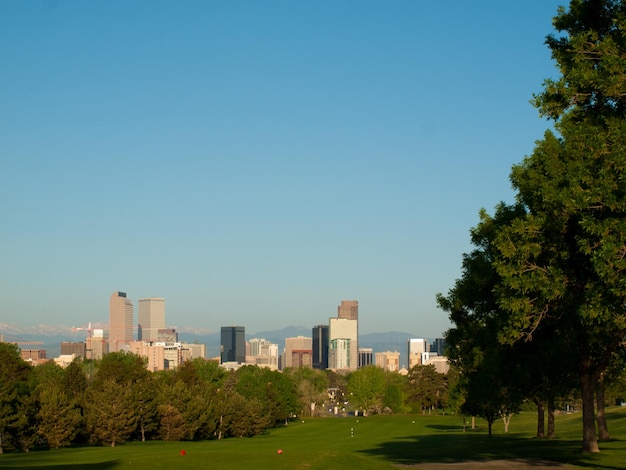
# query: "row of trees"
(115, 399)
(541, 307)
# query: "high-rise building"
(151, 318)
(320, 347)
(233, 344)
(298, 352)
(418, 351)
(339, 354)
(343, 329)
(348, 309)
(120, 321)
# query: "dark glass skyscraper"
(233, 345)
(320, 347)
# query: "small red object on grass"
(182, 452)
(280, 451)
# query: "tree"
(275, 391)
(494, 376)
(146, 404)
(312, 387)
(367, 388)
(172, 426)
(74, 381)
(14, 375)
(565, 261)
(425, 386)
(110, 412)
(59, 417)
(121, 367)
(394, 400)
(193, 403)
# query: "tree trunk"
(590, 442)
(540, 418)
(603, 429)
(507, 420)
(1, 447)
(489, 426)
(551, 432)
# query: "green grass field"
(376, 442)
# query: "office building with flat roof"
(298, 352)
(416, 348)
(233, 344)
(120, 321)
(72, 347)
(343, 329)
(366, 357)
(320, 347)
(151, 318)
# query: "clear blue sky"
(256, 162)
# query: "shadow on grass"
(60, 465)
(445, 428)
(465, 447)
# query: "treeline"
(116, 399)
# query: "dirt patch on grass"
(517, 464)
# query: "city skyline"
(255, 162)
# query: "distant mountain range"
(51, 336)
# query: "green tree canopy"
(565, 261)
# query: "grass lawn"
(376, 442)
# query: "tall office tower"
(320, 347)
(151, 316)
(417, 349)
(349, 309)
(298, 352)
(343, 329)
(233, 346)
(120, 321)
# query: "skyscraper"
(233, 344)
(347, 331)
(151, 313)
(345, 327)
(320, 347)
(120, 321)
(349, 309)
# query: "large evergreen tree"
(14, 374)
(59, 417)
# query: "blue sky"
(256, 162)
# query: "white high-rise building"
(418, 349)
(151, 318)
(343, 329)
